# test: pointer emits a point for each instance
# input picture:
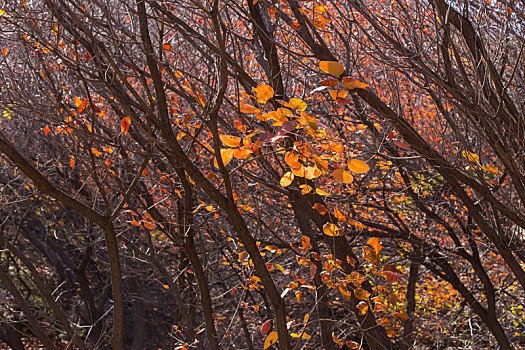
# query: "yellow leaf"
(350, 84)
(298, 104)
(473, 157)
(491, 169)
(305, 188)
(311, 172)
(343, 176)
(249, 109)
(2, 12)
(332, 67)
(358, 166)
(321, 9)
(287, 179)
(330, 229)
(297, 335)
(231, 141)
(270, 339)
(264, 93)
(335, 94)
(321, 192)
(226, 156)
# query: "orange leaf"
(332, 67)
(264, 93)
(400, 316)
(361, 294)
(358, 166)
(270, 339)
(330, 229)
(343, 176)
(331, 82)
(321, 192)
(363, 307)
(149, 226)
(337, 341)
(241, 153)
(124, 125)
(96, 151)
(231, 141)
(249, 109)
(287, 179)
(350, 84)
(336, 94)
(47, 129)
(298, 104)
(226, 156)
(374, 243)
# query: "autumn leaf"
(374, 243)
(249, 109)
(287, 179)
(330, 229)
(242, 153)
(226, 156)
(400, 316)
(298, 104)
(358, 166)
(264, 93)
(270, 339)
(350, 84)
(47, 129)
(321, 192)
(331, 82)
(473, 157)
(337, 94)
(342, 176)
(337, 341)
(231, 141)
(332, 67)
(491, 169)
(362, 307)
(361, 294)
(266, 326)
(124, 125)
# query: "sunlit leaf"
(47, 129)
(249, 109)
(362, 307)
(287, 179)
(226, 156)
(270, 339)
(332, 67)
(241, 153)
(491, 169)
(321, 192)
(358, 166)
(342, 176)
(231, 141)
(473, 157)
(330, 229)
(264, 93)
(298, 104)
(337, 94)
(350, 84)
(374, 243)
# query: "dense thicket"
(369, 190)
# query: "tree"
(339, 174)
